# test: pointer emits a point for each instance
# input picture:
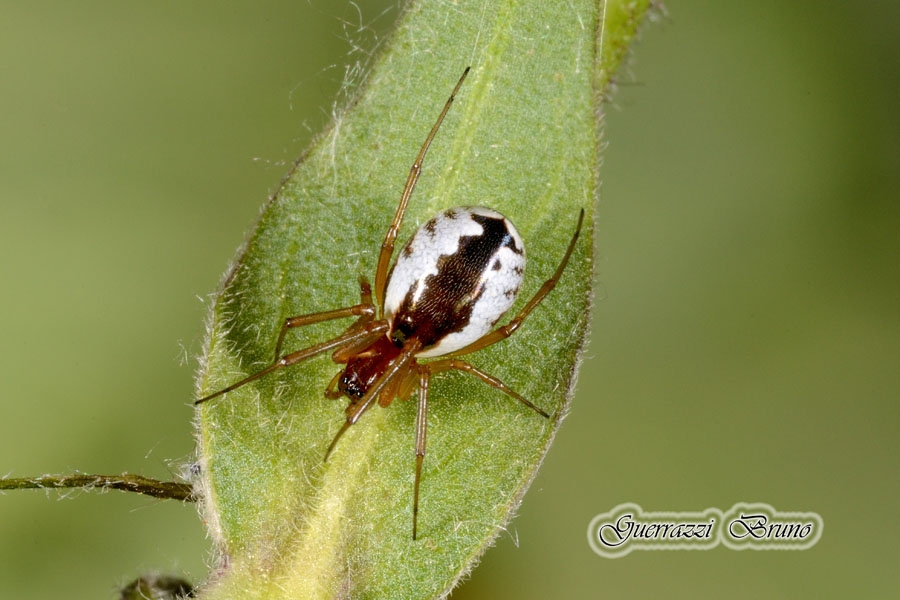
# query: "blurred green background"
(746, 342)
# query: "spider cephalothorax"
(452, 282)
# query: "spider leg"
(398, 366)
(425, 372)
(365, 310)
(421, 427)
(331, 392)
(461, 365)
(387, 246)
(501, 333)
(351, 336)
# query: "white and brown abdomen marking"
(454, 279)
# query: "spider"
(451, 283)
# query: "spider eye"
(349, 385)
(451, 283)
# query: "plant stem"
(127, 482)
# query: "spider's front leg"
(361, 333)
(365, 310)
(421, 429)
(349, 338)
(425, 372)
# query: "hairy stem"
(126, 482)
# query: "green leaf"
(522, 138)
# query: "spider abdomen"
(454, 279)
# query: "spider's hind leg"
(461, 365)
(503, 332)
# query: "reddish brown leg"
(421, 428)
(398, 366)
(365, 310)
(501, 333)
(350, 336)
(461, 365)
(387, 246)
(331, 392)
(425, 372)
